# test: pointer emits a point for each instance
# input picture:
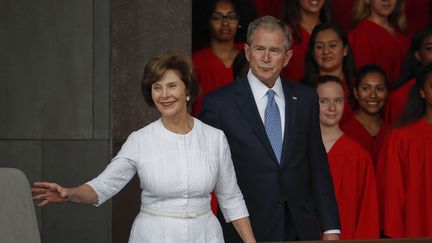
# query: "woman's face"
(224, 21)
(382, 8)
(311, 6)
(371, 93)
(424, 54)
(329, 51)
(426, 92)
(169, 95)
(331, 102)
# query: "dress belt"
(181, 215)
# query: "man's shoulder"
(298, 89)
(227, 90)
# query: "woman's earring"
(239, 26)
(188, 98)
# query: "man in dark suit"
(275, 140)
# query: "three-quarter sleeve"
(227, 191)
(118, 173)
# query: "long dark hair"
(291, 16)
(411, 66)
(311, 66)
(202, 10)
(416, 105)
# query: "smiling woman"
(350, 165)
(367, 126)
(179, 161)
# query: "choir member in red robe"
(419, 54)
(221, 21)
(367, 126)
(379, 35)
(350, 166)
(404, 171)
(302, 16)
(329, 53)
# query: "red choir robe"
(354, 129)
(211, 73)
(418, 13)
(354, 183)
(404, 181)
(371, 43)
(269, 7)
(396, 102)
(341, 12)
(295, 69)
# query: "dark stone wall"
(70, 94)
(141, 29)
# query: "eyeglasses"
(217, 17)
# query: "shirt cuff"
(332, 231)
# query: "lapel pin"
(294, 97)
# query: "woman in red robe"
(367, 126)
(379, 35)
(302, 16)
(419, 54)
(223, 21)
(404, 171)
(350, 166)
(329, 53)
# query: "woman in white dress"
(179, 160)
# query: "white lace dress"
(177, 174)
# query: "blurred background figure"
(302, 16)
(419, 54)
(220, 27)
(367, 125)
(329, 53)
(350, 165)
(404, 167)
(379, 35)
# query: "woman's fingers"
(39, 190)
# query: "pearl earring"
(188, 98)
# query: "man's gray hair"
(269, 23)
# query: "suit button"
(280, 205)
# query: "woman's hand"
(47, 192)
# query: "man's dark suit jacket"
(301, 184)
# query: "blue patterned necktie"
(272, 124)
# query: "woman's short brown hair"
(156, 68)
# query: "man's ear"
(417, 56)
(288, 57)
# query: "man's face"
(267, 54)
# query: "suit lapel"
(246, 102)
(290, 112)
